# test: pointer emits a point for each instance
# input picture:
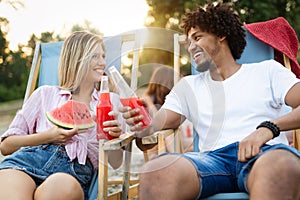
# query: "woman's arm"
(55, 134)
(23, 129)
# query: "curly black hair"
(221, 20)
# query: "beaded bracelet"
(272, 126)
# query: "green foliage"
(14, 69)
(254, 11)
(86, 26)
(168, 13)
(13, 77)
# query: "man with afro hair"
(237, 111)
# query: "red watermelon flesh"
(70, 115)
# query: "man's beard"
(205, 65)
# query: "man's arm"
(250, 146)
(163, 119)
(291, 120)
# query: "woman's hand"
(113, 127)
(54, 134)
(60, 135)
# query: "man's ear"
(222, 38)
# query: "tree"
(168, 13)
(87, 27)
(13, 69)
(3, 42)
(254, 11)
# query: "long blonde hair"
(76, 54)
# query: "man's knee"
(277, 165)
(155, 175)
(159, 168)
(165, 175)
(279, 169)
(278, 161)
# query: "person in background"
(237, 111)
(160, 85)
(45, 161)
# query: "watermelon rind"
(66, 125)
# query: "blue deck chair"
(44, 71)
(255, 51)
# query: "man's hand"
(132, 117)
(250, 146)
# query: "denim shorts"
(41, 161)
(220, 171)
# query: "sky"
(111, 17)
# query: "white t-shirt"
(223, 112)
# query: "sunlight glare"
(111, 17)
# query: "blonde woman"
(46, 161)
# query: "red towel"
(281, 36)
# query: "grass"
(7, 113)
(10, 106)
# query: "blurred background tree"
(168, 13)
(14, 68)
(165, 15)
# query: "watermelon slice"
(70, 115)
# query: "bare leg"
(59, 186)
(169, 177)
(275, 175)
(16, 185)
